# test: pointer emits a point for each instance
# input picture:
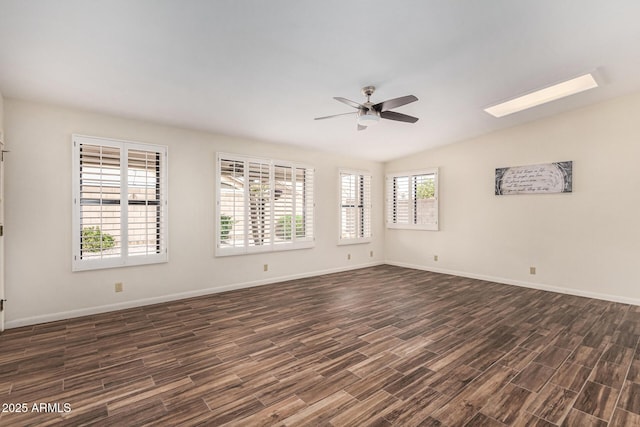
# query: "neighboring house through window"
(119, 203)
(412, 200)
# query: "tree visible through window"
(119, 203)
(263, 205)
(412, 200)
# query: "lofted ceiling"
(265, 69)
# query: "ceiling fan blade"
(335, 115)
(350, 103)
(360, 127)
(395, 102)
(399, 117)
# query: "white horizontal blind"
(231, 202)
(398, 195)
(260, 202)
(348, 206)
(145, 216)
(284, 197)
(263, 205)
(412, 200)
(365, 206)
(99, 204)
(304, 203)
(355, 206)
(119, 206)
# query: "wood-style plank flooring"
(377, 346)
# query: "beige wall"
(2, 268)
(1, 112)
(40, 284)
(586, 242)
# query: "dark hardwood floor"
(378, 346)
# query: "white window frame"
(363, 204)
(295, 242)
(124, 258)
(412, 224)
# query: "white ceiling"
(265, 69)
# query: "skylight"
(542, 96)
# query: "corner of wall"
(1, 117)
(583, 243)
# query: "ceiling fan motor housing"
(368, 116)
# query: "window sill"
(88, 265)
(276, 247)
(345, 242)
(426, 227)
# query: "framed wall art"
(554, 177)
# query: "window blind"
(119, 203)
(145, 214)
(412, 200)
(355, 206)
(262, 205)
(260, 214)
(100, 196)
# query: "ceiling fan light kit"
(368, 118)
(370, 114)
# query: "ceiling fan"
(369, 113)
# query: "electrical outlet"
(266, 267)
(119, 287)
(371, 254)
(348, 256)
(435, 257)
(532, 270)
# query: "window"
(119, 203)
(412, 200)
(263, 205)
(355, 207)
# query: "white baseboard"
(52, 317)
(532, 285)
(26, 321)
